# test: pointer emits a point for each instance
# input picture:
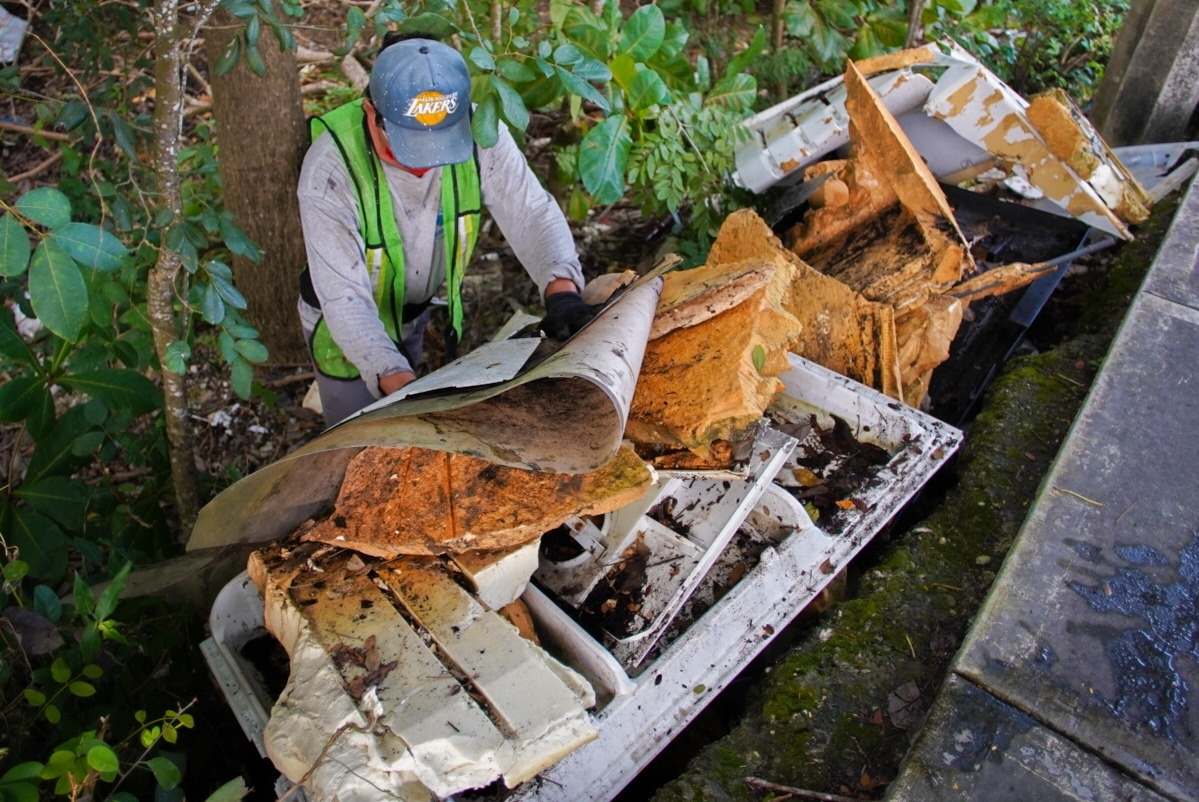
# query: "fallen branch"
(17, 128)
(37, 169)
(799, 793)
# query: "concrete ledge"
(1091, 631)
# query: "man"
(390, 197)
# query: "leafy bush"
(64, 704)
(1035, 45)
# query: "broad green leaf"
(227, 60)
(72, 114)
(82, 689)
(212, 307)
(229, 294)
(253, 351)
(57, 291)
(603, 156)
(624, 70)
(484, 122)
(104, 760)
(237, 241)
(567, 55)
(482, 59)
(759, 358)
(91, 246)
(165, 772)
(13, 572)
(53, 452)
(47, 603)
(106, 604)
(14, 246)
(118, 388)
(45, 205)
(60, 671)
(255, 61)
(241, 376)
(889, 26)
(648, 90)
(43, 545)
(23, 771)
(253, 30)
(743, 60)
(178, 354)
(583, 89)
(34, 697)
(228, 345)
(643, 33)
(11, 344)
(58, 497)
(734, 92)
(19, 397)
(52, 713)
(92, 671)
(675, 40)
(577, 205)
(590, 69)
(512, 107)
(231, 791)
(515, 71)
(122, 132)
(838, 13)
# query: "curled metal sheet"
(563, 411)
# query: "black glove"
(565, 314)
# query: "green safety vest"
(460, 215)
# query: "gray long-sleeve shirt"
(528, 216)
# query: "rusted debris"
(419, 501)
(423, 687)
(713, 370)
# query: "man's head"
(421, 88)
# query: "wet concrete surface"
(1079, 679)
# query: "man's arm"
(530, 218)
(336, 263)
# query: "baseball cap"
(422, 89)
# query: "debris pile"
(736, 462)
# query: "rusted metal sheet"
(965, 122)
(585, 388)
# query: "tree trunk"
(262, 135)
(778, 32)
(163, 290)
(915, 23)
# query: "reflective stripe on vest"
(460, 214)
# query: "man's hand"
(566, 313)
(394, 381)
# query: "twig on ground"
(799, 793)
(37, 169)
(17, 128)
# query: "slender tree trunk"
(915, 23)
(166, 274)
(777, 31)
(262, 136)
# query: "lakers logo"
(430, 108)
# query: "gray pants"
(341, 398)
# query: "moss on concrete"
(830, 713)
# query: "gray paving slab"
(1174, 275)
(974, 747)
(1093, 625)
(1086, 651)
